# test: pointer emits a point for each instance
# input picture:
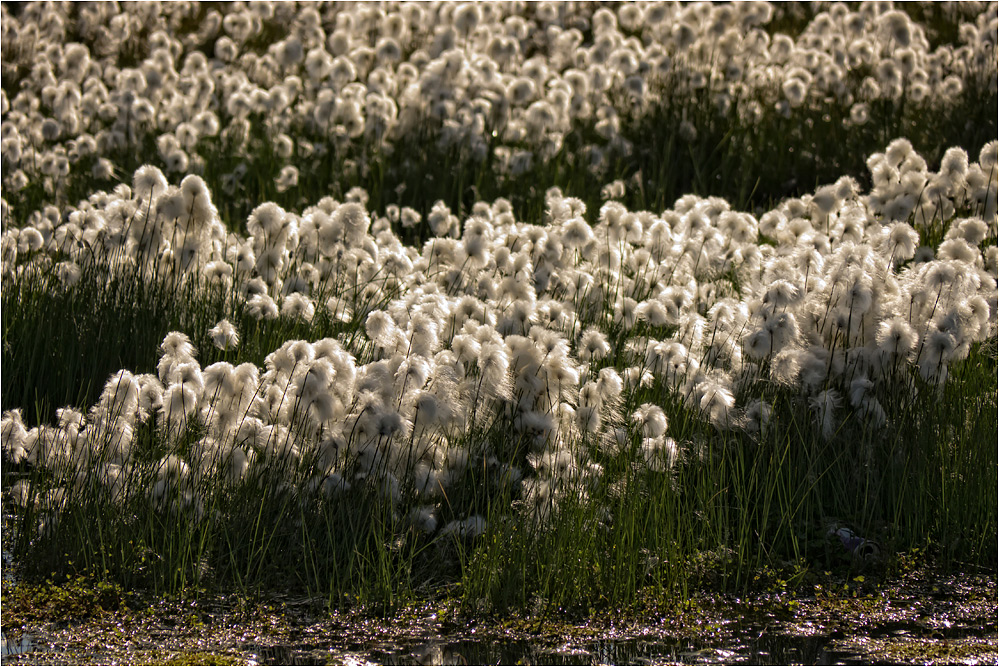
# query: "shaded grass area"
(754, 163)
(61, 343)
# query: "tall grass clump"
(571, 309)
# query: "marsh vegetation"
(538, 307)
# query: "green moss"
(72, 599)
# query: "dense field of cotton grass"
(542, 305)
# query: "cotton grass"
(388, 380)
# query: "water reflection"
(764, 650)
(11, 647)
(747, 646)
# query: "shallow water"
(938, 621)
(750, 646)
(763, 651)
(9, 647)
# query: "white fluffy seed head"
(224, 335)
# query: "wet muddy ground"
(918, 620)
